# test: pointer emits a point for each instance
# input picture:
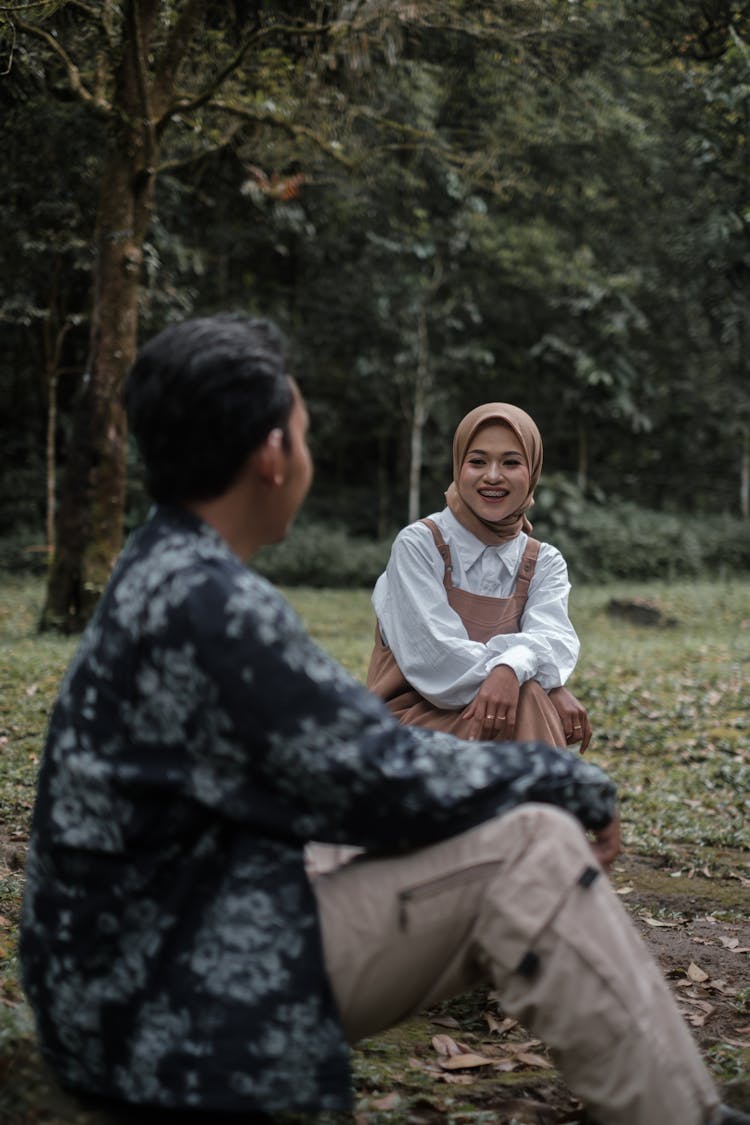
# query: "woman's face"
(494, 477)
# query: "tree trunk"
(745, 472)
(420, 414)
(582, 472)
(89, 516)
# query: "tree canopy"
(442, 203)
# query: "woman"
(473, 632)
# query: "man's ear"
(269, 458)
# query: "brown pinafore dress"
(483, 617)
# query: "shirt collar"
(470, 548)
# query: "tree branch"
(98, 102)
(136, 35)
(201, 99)
(194, 157)
(264, 117)
(165, 72)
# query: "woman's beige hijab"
(530, 441)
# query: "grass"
(668, 705)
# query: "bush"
(605, 540)
(318, 554)
(24, 552)
(602, 540)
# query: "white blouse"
(428, 638)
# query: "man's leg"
(519, 901)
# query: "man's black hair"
(200, 397)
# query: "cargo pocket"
(527, 897)
(424, 905)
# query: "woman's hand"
(573, 716)
(492, 711)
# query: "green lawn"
(669, 707)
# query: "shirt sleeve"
(547, 647)
(430, 643)
(284, 738)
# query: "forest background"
(441, 203)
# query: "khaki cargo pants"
(518, 901)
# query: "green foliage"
(606, 539)
(319, 554)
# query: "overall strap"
(445, 551)
(526, 569)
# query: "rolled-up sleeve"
(546, 649)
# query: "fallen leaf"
(722, 987)
(647, 918)
(695, 1019)
(390, 1101)
(532, 1059)
(697, 974)
(624, 890)
(444, 1045)
(464, 1062)
(445, 1021)
(698, 1019)
(506, 1065)
(733, 944)
(515, 1047)
(499, 1026)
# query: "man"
(173, 949)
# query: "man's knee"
(534, 820)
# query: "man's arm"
(299, 744)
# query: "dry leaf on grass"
(698, 1019)
(695, 973)
(445, 1021)
(390, 1101)
(447, 1047)
(464, 1062)
(532, 1059)
(497, 1026)
(657, 922)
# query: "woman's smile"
(494, 477)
